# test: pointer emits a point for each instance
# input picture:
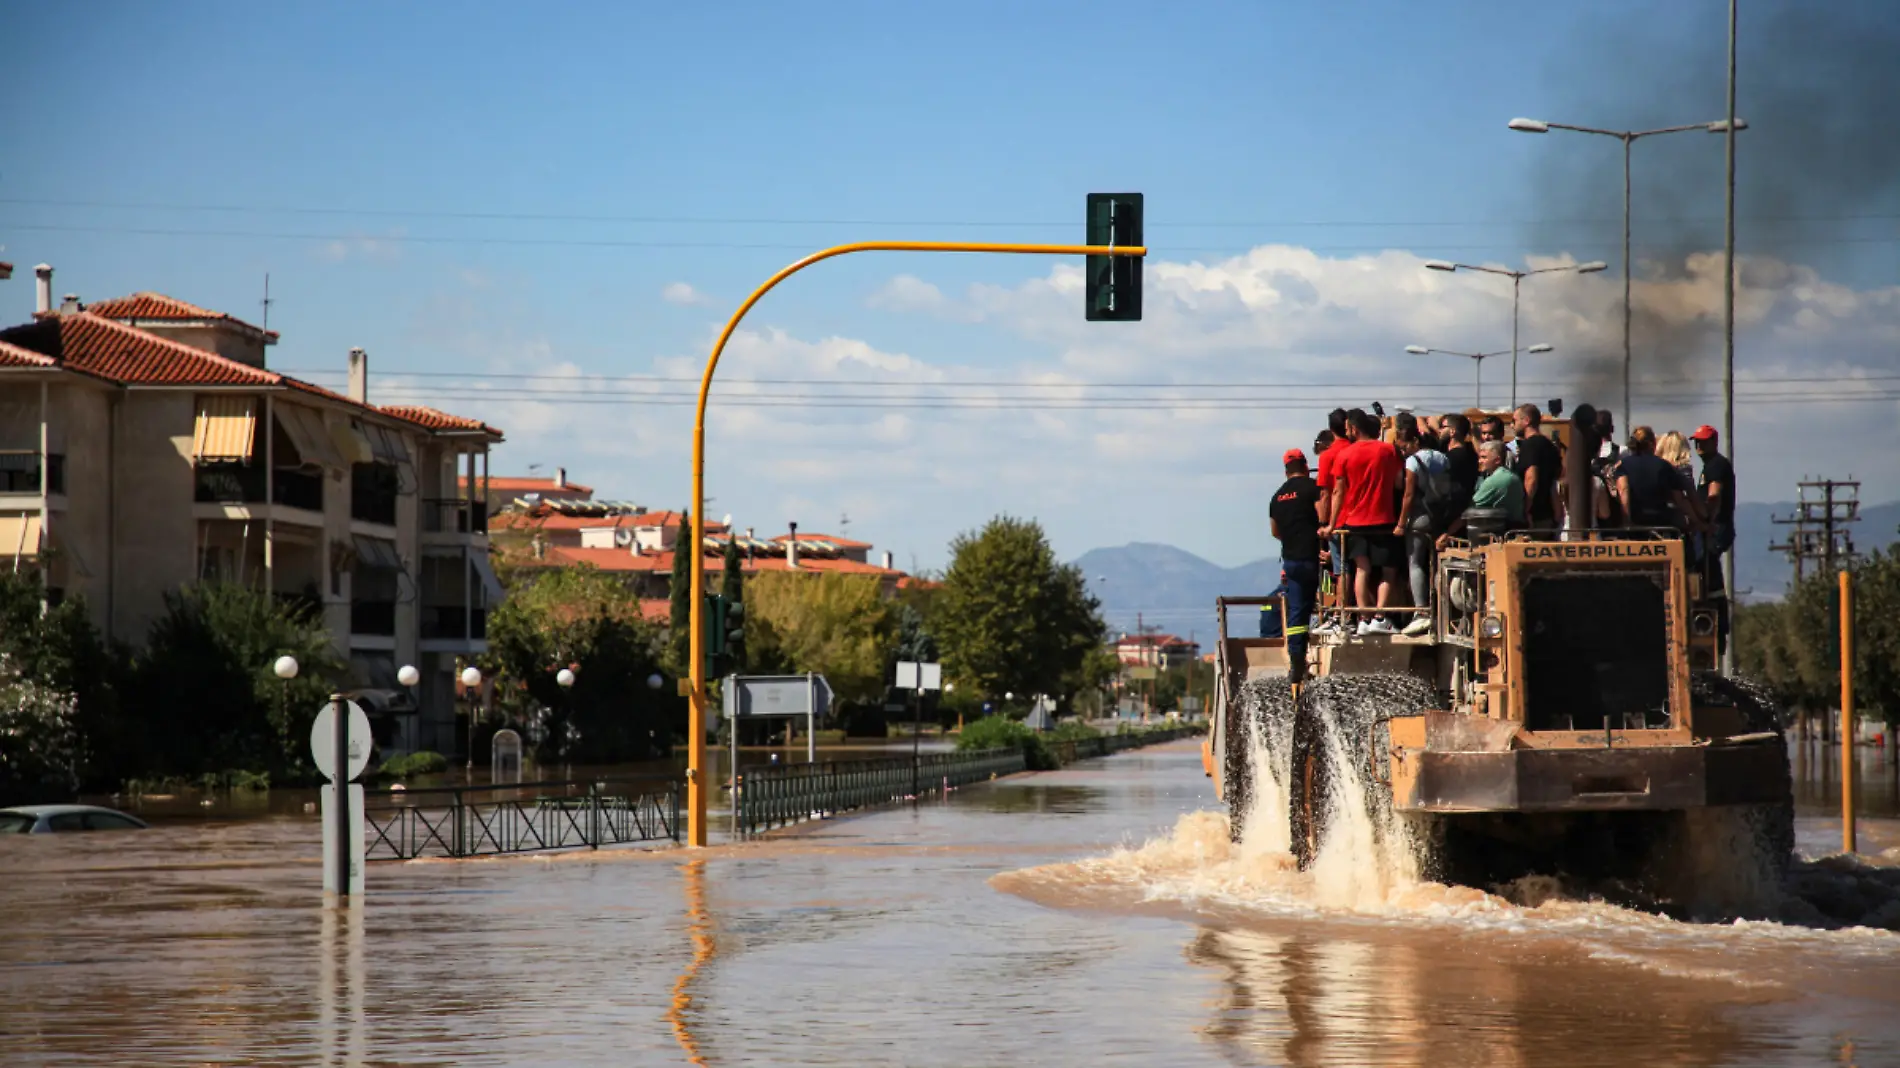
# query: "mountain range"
(1150, 584)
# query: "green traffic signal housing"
(1113, 289)
(724, 622)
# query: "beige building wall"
(154, 483)
(82, 429)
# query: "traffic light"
(1113, 290)
(723, 620)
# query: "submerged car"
(50, 819)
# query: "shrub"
(1001, 732)
(40, 749)
(418, 763)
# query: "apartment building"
(146, 445)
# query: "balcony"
(373, 491)
(228, 483)
(376, 618)
(454, 623)
(20, 472)
(450, 515)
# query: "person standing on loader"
(1294, 518)
(1365, 509)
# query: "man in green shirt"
(1497, 488)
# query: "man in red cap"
(1294, 516)
(1717, 489)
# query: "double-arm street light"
(1628, 137)
(1477, 359)
(1517, 283)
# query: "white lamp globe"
(564, 677)
(285, 667)
(471, 677)
(654, 681)
(407, 675)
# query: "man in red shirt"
(1365, 506)
(1339, 422)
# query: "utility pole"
(1826, 509)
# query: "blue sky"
(490, 190)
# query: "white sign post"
(341, 743)
(917, 677)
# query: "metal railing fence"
(473, 821)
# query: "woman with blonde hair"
(1674, 448)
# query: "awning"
(19, 536)
(351, 442)
(376, 554)
(227, 427)
(386, 445)
(491, 586)
(308, 434)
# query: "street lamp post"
(286, 669)
(1628, 137)
(1477, 359)
(1517, 283)
(471, 680)
(564, 678)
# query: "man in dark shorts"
(1541, 468)
(1365, 506)
(1294, 517)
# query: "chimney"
(791, 548)
(42, 288)
(69, 304)
(887, 561)
(359, 376)
(560, 478)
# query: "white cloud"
(683, 295)
(917, 450)
(386, 248)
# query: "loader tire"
(1773, 822)
(1343, 717)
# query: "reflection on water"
(699, 927)
(876, 940)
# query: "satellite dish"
(726, 522)
(623, 537)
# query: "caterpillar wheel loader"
(1563, 714)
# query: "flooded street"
(1073, 917)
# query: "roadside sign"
(323, 741)
(912, 675)
(1143, 671)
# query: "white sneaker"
(1376, 625)
(1328, 627)
(1421, 625)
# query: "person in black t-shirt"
(1717, 490)
(1294, 516)
(1463, 459)
(1540, 467)
(1647, 485)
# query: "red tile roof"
(557, 521)
(544, 486)
(95, 345)
(101, 346)
(656, 609)
(157, 307)
(15, 356)
(624, 560)
(435, 419)
(842, 543)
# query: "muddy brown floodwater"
(1077, 917)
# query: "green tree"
(60, 651)
(589, 622)
(1012, 618)
(41, 751)
(839, 626)
(1794, 644)
(205, 691)
(679, 619)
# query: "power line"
(512, 216)
(1002, 404)
(553, 242)
(1018, 384)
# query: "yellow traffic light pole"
(696, 784)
